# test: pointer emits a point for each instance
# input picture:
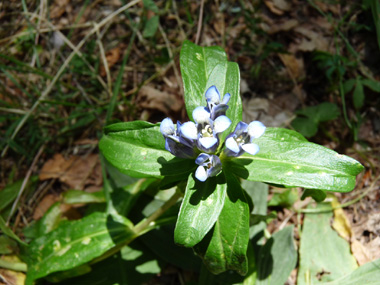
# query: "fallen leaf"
(75, 171)
(272, 7)
(293, 65)
(360, 252)
(44, 205)
(151, 98)
(341, 223)
(112, 57)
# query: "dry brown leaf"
(341, 223)
(75, 171)
(281, 26)
(44, 205)
(373, 223)
(112, 57)
(58, 8)
(12, 277)
(360, 252)
(151, 98)
(273, 8)
(293, 65)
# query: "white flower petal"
(201, 115)
(232, 145)
(251, 148)
(221, 124)
(202, 158)
(212, 95)
(167, 127)
(189, 131)
(256, 129)
(208, 142)
(201, 173)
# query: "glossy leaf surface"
(138, 149)
(286, 159)
(201, 206)
(197, 63)
(227, 247)
(73, 243)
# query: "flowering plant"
(207, 158)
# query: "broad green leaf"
(77, 196)
(50, 220)
(318, 239)
(74, 243)
(317, 195)
(226, 77)
(368, 274)
(197, 63)
(371, 84)
(151, 27)
(138, 150)
(228, 245)
(291, 162)
(201, 206)
(358, 95)
(277, 258)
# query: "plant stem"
(145, 224)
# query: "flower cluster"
(200, 139)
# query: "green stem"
(146, 224)
(349, 203)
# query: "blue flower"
(206, 130)
(241, 139)
(175, 142)
(209, 165)
(216, 106)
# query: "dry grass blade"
(63, 67)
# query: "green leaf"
(74, 243)
(138, 150)
(228, 245)
(371, 84)
(317, 195)
(317, 239)
(150, 5)
(7, 231)
(284, 199)
(368, 273)
(348, 85)
(9, 193)
(151, 27)
(358, 95)
(197, 63)
(7, 245)
(277, 258)
(201, 206)
(285, 160)
(76, 196)
(305, 126)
